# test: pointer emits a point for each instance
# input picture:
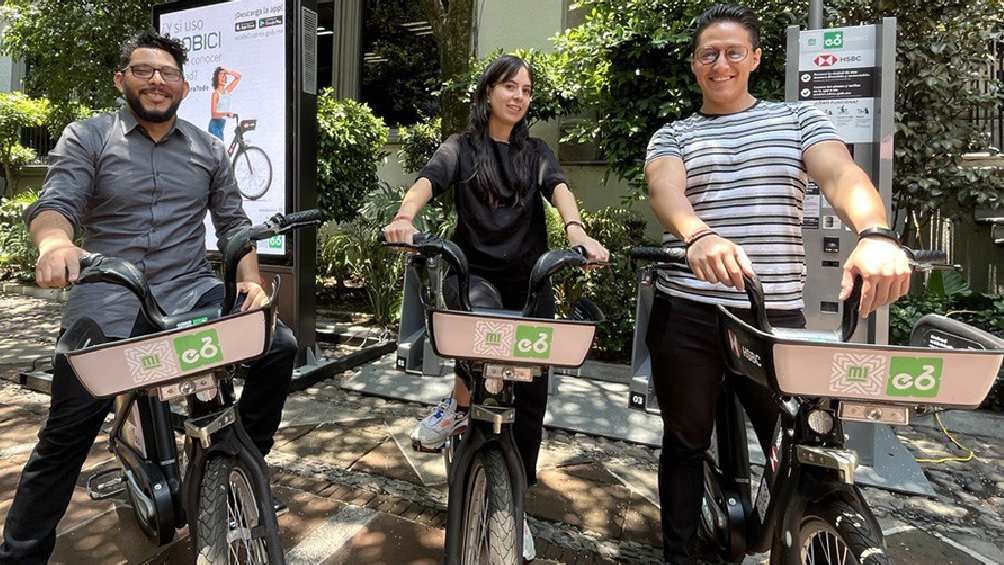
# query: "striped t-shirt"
(746, 179)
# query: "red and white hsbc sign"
(826, 60)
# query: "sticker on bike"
(151, 362)
(198, 350)
(918, 377)
(532, 341)
(856, 373)
(493, 339)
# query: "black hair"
(727, 13)
(150, 39)
(486, 175)
(216, 77)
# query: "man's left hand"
(256, 295)
(884, 271)
(595, 252)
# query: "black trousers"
(75, 418)
(530, 397)
(688, 370)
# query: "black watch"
(879, 232)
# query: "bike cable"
(951, 459)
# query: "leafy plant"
(350, 141)
(18, 111)
(418, 143)
(18, 254)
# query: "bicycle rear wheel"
(232, 524)
(253, 172)
(490, 526)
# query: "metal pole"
(815, 14)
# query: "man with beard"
(134, 184)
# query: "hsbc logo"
(734, 343)
(825, 60)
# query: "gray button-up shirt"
(142, 201)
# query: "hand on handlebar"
(715, 259)
(884, 270)
(400, 232)
(596, 254)
(58, 264)
(256, 297)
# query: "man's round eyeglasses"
(734, 54)
(146, 72)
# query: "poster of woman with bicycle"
(241, 42)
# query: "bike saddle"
(940, 332)
(587, 310)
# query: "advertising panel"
(237, 72)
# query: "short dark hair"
(150, 39)
(727, 13)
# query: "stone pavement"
(358, 494)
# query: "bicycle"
(252, 167)
(486, 483)
(218, 483)
(807, 509)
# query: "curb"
(57, 294)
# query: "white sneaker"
(529, 553)
(431, 433)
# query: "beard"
(152, 116)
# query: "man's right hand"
(400, 231)
(58, 264)
(715, 259)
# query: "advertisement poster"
(838, 74)
(237, 69)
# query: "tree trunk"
(452, 26)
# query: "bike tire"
(839, 529)
(226, 491)
(489, 513)
(243, 169)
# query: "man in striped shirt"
(728, 184)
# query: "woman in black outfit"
(501, 178)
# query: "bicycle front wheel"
(840, 531)
(253, 172)
(490, 525)
(232, 525)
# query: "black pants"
(75, 418)
(688, 369)
(530, 397)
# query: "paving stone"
(642, 522)
(585, 495)
(387, 460)
(337, 444)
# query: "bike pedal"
(99, 487)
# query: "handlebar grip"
(928, 255)
(676, 255)
(89, 259)
(303, 217)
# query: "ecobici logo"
(198, 350)
(914, 376)
(833, 39)
(532, 341)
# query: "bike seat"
(193, 318)
(804, 334)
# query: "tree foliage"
(452, 23)
(631, 60)
(350, 141)
(943, 76)
(71, 48)
(17, 111)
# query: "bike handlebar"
(98, 268)
(677, 256)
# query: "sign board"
(838, 73)
(240, 46)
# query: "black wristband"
(574, 223)
(700, 235)
(879, 232)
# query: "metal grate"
(39, 139)
(308, 50)
(991, 120)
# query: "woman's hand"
(400, 231)
(595, 252)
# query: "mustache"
(156, 90)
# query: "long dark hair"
(486, 175)
(216, 77)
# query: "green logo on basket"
(833, 39)
(198, 350)
(150, 362)
(532, 341)
(857, 373)
(919, 377)
(493, 338)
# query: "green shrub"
(18, 254)
(18, 111)
(418, 143)
(612, 288)
(350, 142)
